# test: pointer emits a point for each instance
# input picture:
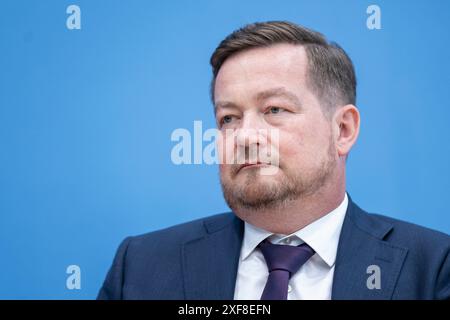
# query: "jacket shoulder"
(395, 231)
(407, 234)
(145, 263)
(183, 232)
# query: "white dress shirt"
(314, 280)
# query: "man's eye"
(227, 119)
(275, 110)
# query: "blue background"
(86, 118)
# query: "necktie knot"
(282, 261)
(284, 257)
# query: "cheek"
(290, 149)
(302, 147)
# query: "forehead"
(282, 65)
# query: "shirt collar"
(322, 235)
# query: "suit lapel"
(365, 259)
(210, 263)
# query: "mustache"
(246, 156)
(254, 154)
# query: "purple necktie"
(282, 261)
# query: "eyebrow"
(224, 105)
(261, 96)
(277, 92)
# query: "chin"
(259, 184)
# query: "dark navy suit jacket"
(199, 260)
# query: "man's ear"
(346, 122)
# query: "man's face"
(260, 91)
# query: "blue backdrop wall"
(86, 117)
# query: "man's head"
(278, 76)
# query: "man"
(293, 233)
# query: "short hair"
(330, 74)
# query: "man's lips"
(248, 165)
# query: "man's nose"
(250, 132)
